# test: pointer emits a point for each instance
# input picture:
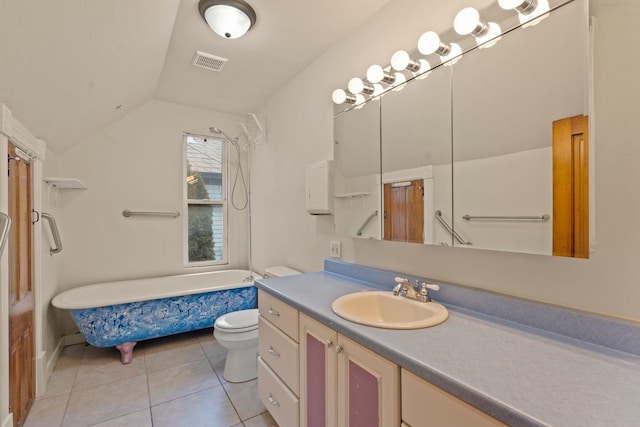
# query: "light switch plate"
(334, 249)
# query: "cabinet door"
(317, 374)
(368, 387)
(420, 398)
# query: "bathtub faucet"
(247, 279)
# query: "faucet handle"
(431, 286)
(401, 280)
(424, 291)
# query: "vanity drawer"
(276, 397)
(280, 314)
(424, 404)
(279, 352)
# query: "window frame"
(222, 202)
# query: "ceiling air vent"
(208, 61)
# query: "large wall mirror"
(490, 152)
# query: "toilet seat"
(238, 321)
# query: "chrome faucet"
(417, 292)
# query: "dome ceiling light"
(228, 18)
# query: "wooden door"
(404, 211)
(571, 187)
(21, 296)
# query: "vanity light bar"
(466, 22)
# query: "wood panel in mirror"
(505, 101)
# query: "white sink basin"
(385, 310)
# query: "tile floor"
(172, 382)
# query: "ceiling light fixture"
(530, 12)
(430, 42)
(228, 18)
(376, 74)
(356, 86)
(339, 96)
(468, 22)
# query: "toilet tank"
(280, 271)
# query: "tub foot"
(126, 351)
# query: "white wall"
(300, 132)
(137, 164)
(49, 285)
(516, 184)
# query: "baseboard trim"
(8, 422)
(46, 364)
(73, 339)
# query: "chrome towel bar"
(449, 229)
(544, 217)
(127, 213)
(366, 221)
(57, 241)
(5, 226)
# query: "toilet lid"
(243, 319)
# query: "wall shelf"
(348, 195)
(65, 183)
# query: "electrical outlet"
(334, 249)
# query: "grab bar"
(54, 232)
(544, 217)
(366, 222)
(5, 226)
(449, 229)
(127, 213)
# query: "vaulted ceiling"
(68, 68)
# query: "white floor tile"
(169, 358)
(95, 373)
(107, 401)
(136, 419)
(172, 383)
(203, 409)
(244, 397)
(47, 412)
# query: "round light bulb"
(377, 89)
(428, 43)
(375, 74)
(425, 69)
(424, 65)
(453, 56)
(400, 60)
(522, 6)
(339, 96)
(355, 85)
(360, 99)
(398, 85)
(466, 21)
(492, 37)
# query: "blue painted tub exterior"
(136, 321)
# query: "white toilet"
(238, 333)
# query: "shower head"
(217, 131)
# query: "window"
(205, 201)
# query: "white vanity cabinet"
(342, 383)
(425, 405)
(278, 385)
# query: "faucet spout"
(417, 292)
